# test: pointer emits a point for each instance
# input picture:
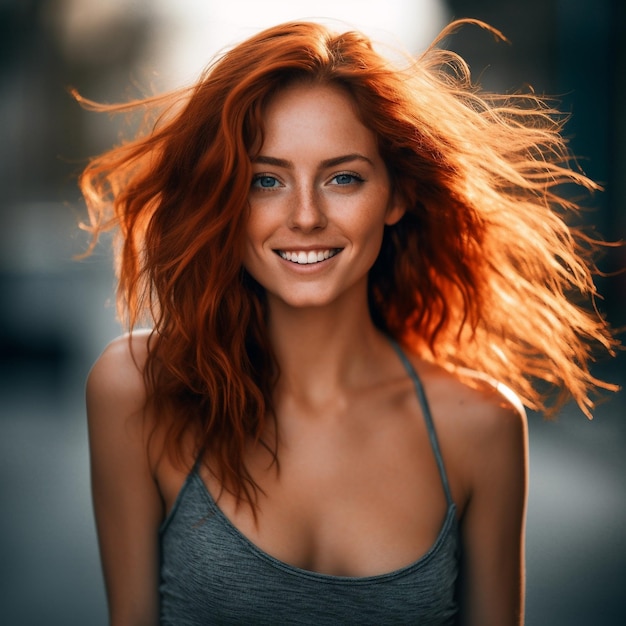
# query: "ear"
(395, 210)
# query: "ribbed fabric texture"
(212, 574)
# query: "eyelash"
(258, 177)
(356, 177)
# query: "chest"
(358, 497)
(211, 573)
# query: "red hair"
(480, 272)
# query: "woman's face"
(319, 199)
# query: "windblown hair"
(482, 271)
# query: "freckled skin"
(319, 184)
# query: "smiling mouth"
(307, 257)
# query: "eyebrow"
(345, 158)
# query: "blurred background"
(56, 314)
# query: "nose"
(307, 212)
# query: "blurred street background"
(57, 314)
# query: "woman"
(337, 260)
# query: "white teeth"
(306, 258)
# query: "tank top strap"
(421, 396)
(198, 462)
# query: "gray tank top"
(212, 574)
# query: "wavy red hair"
(481, 272)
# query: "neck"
(323, 352)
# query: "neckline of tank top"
(448, 526)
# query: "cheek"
(256, 229)
(370, 222)
(256, 234)
(262, 219)
(371, 231)
(250, 256)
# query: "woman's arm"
(493, 523)
(127, 502)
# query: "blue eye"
(265, 182)
(346, 179)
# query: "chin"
(305, 303)
(302, 301)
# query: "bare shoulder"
(117, 374)
(116, 395)
(490, 408)
(470, 400)
(481, 422)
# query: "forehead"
(312, 114)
